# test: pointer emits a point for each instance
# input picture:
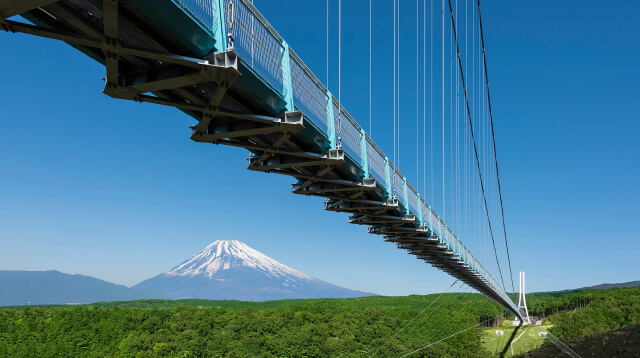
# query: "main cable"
(414, 318)
(557, 342)
(474, 142)
(495, 155)
(453, 335)
(438, 324)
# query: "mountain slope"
(54, 287)
(231, 270)
(606, 286)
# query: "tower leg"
(522, 302)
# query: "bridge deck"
(258, 95)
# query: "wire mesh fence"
(308, 96)
(398, 183)
(203, 11)
(255, 43)
(377, 163)
(426, 214)
(413, 200)
(351, 137)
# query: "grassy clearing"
(515, 341)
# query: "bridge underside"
(145, 63)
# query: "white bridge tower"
(522, 303)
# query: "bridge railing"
(377, 162)
(412, 198)
(309, 94)
(351, 135)
(203, 12)
(265, 52)
(256, 41)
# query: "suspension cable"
(397, 163)
(453, 335)
(444, 202)
(474, 141)
(558, 343)
(417, 94)
(495, 155)
(340, 73)
(431, 101)
(441, 324)
(473, 108)
(409, 335)
(464, 161)
(424, 100)
(394, 96)
(457, 143)
(456, 299)
(414, 318)
(370, 130)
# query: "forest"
(297, 328)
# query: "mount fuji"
(231, 270)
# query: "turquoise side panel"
(331, 127)
(181, 25)
(286, 77)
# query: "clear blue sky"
(113, 189)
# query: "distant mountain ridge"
(231, 270)
(19, 288)
(605, 286)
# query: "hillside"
(620, 343)
(53, 287)
(296, 328)
(287, 328)
(606, 286)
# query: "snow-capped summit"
(229, 269)
(225, 254)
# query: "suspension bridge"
(223, 64)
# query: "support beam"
(274, 148)
(10, 8)
(213, 138)
(14, 26)
(111, 42)
(328, 188)
(315, 178)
